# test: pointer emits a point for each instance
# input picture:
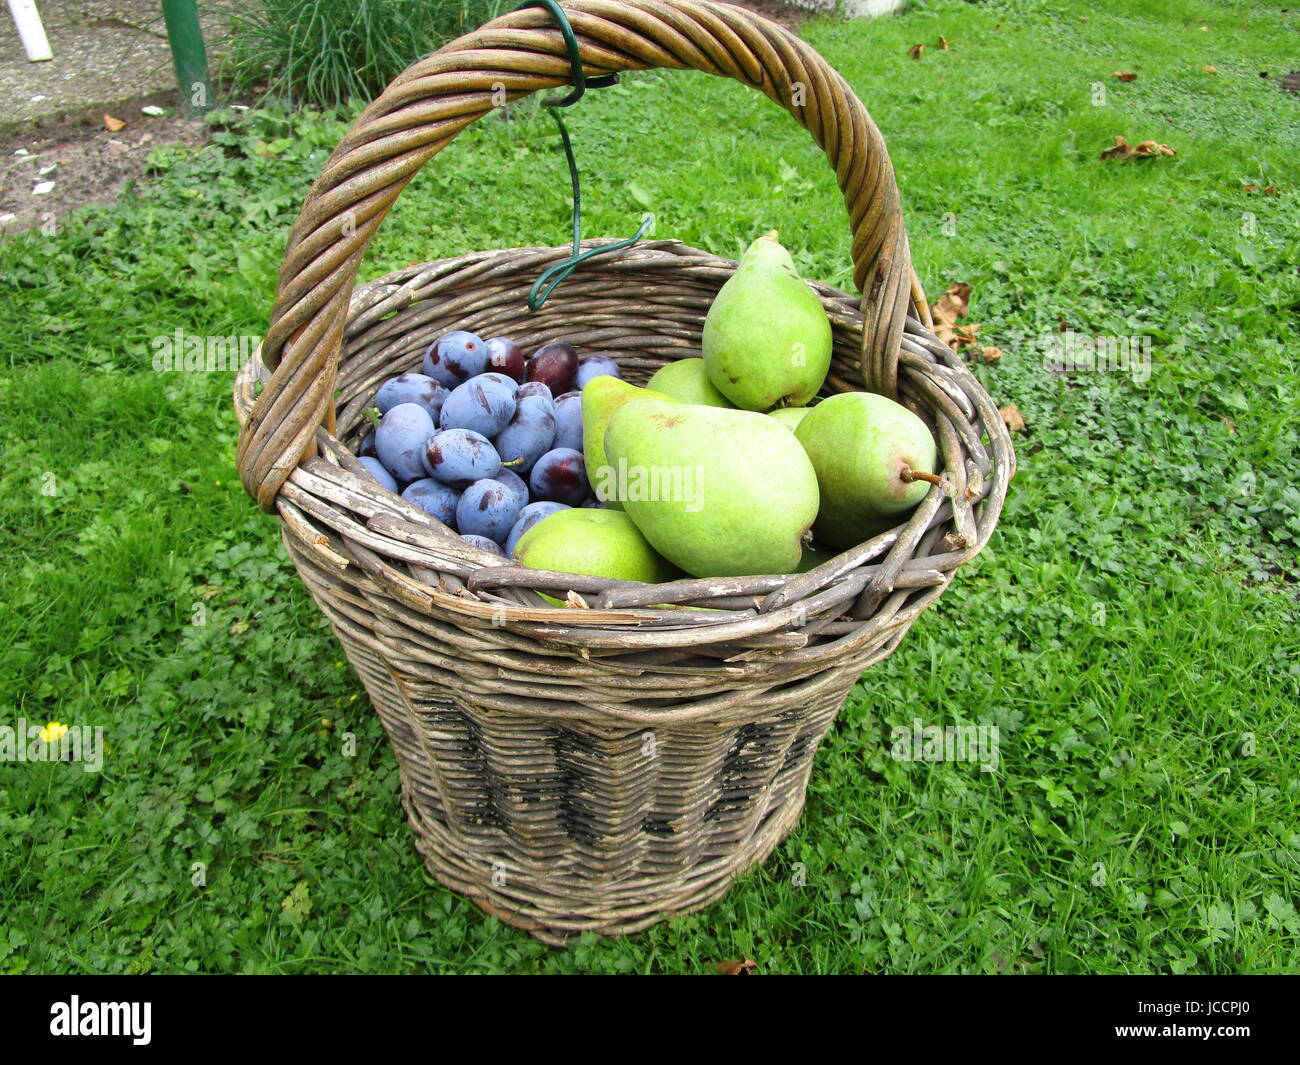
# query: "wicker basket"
(601, 767)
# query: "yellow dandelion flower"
(53, 732)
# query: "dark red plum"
(505, 356)
(561, 477)
(555, 366)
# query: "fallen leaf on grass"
(1124, 75)
(915, 51)
(943, 43)
(1145, 150)
(737, 968)
(1012, 416)
(113, 124)
(1209, 70)
(955, 303)
(952, 305)
(990, 354)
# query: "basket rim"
(325, 489)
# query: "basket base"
(660, 898)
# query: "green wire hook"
(553, 275)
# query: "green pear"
(716, 492)
(600, 543)
(873, 459)
(600, 399)
(790, 417)
(767, 340)
(687, 381)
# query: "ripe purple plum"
(455, 357)
(482, 542)
(568, 421)
(400, 440)
(530, 434)
(516, 484)
(561, 477)
(436, 500)
(411, 388)
(487, 508)
(459, 457)
(528, 517)
(378, 472)
(596, 366)
(485, 404)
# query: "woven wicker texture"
(603, 766)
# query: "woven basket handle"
(513, 56)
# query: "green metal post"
(188, 56)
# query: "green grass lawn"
(1131, 630)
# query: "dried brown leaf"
(1153, 148)
(113, 124)
(952, 305)
(1124, 75)
(1209, 70)
(943, 43)
(1120, 151)
(1146, 150)
(1012, 416)
(737, 968)
(915, 51)
(990, 354)
(965, 336)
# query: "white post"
(30, 30)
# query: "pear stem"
(917, 475)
